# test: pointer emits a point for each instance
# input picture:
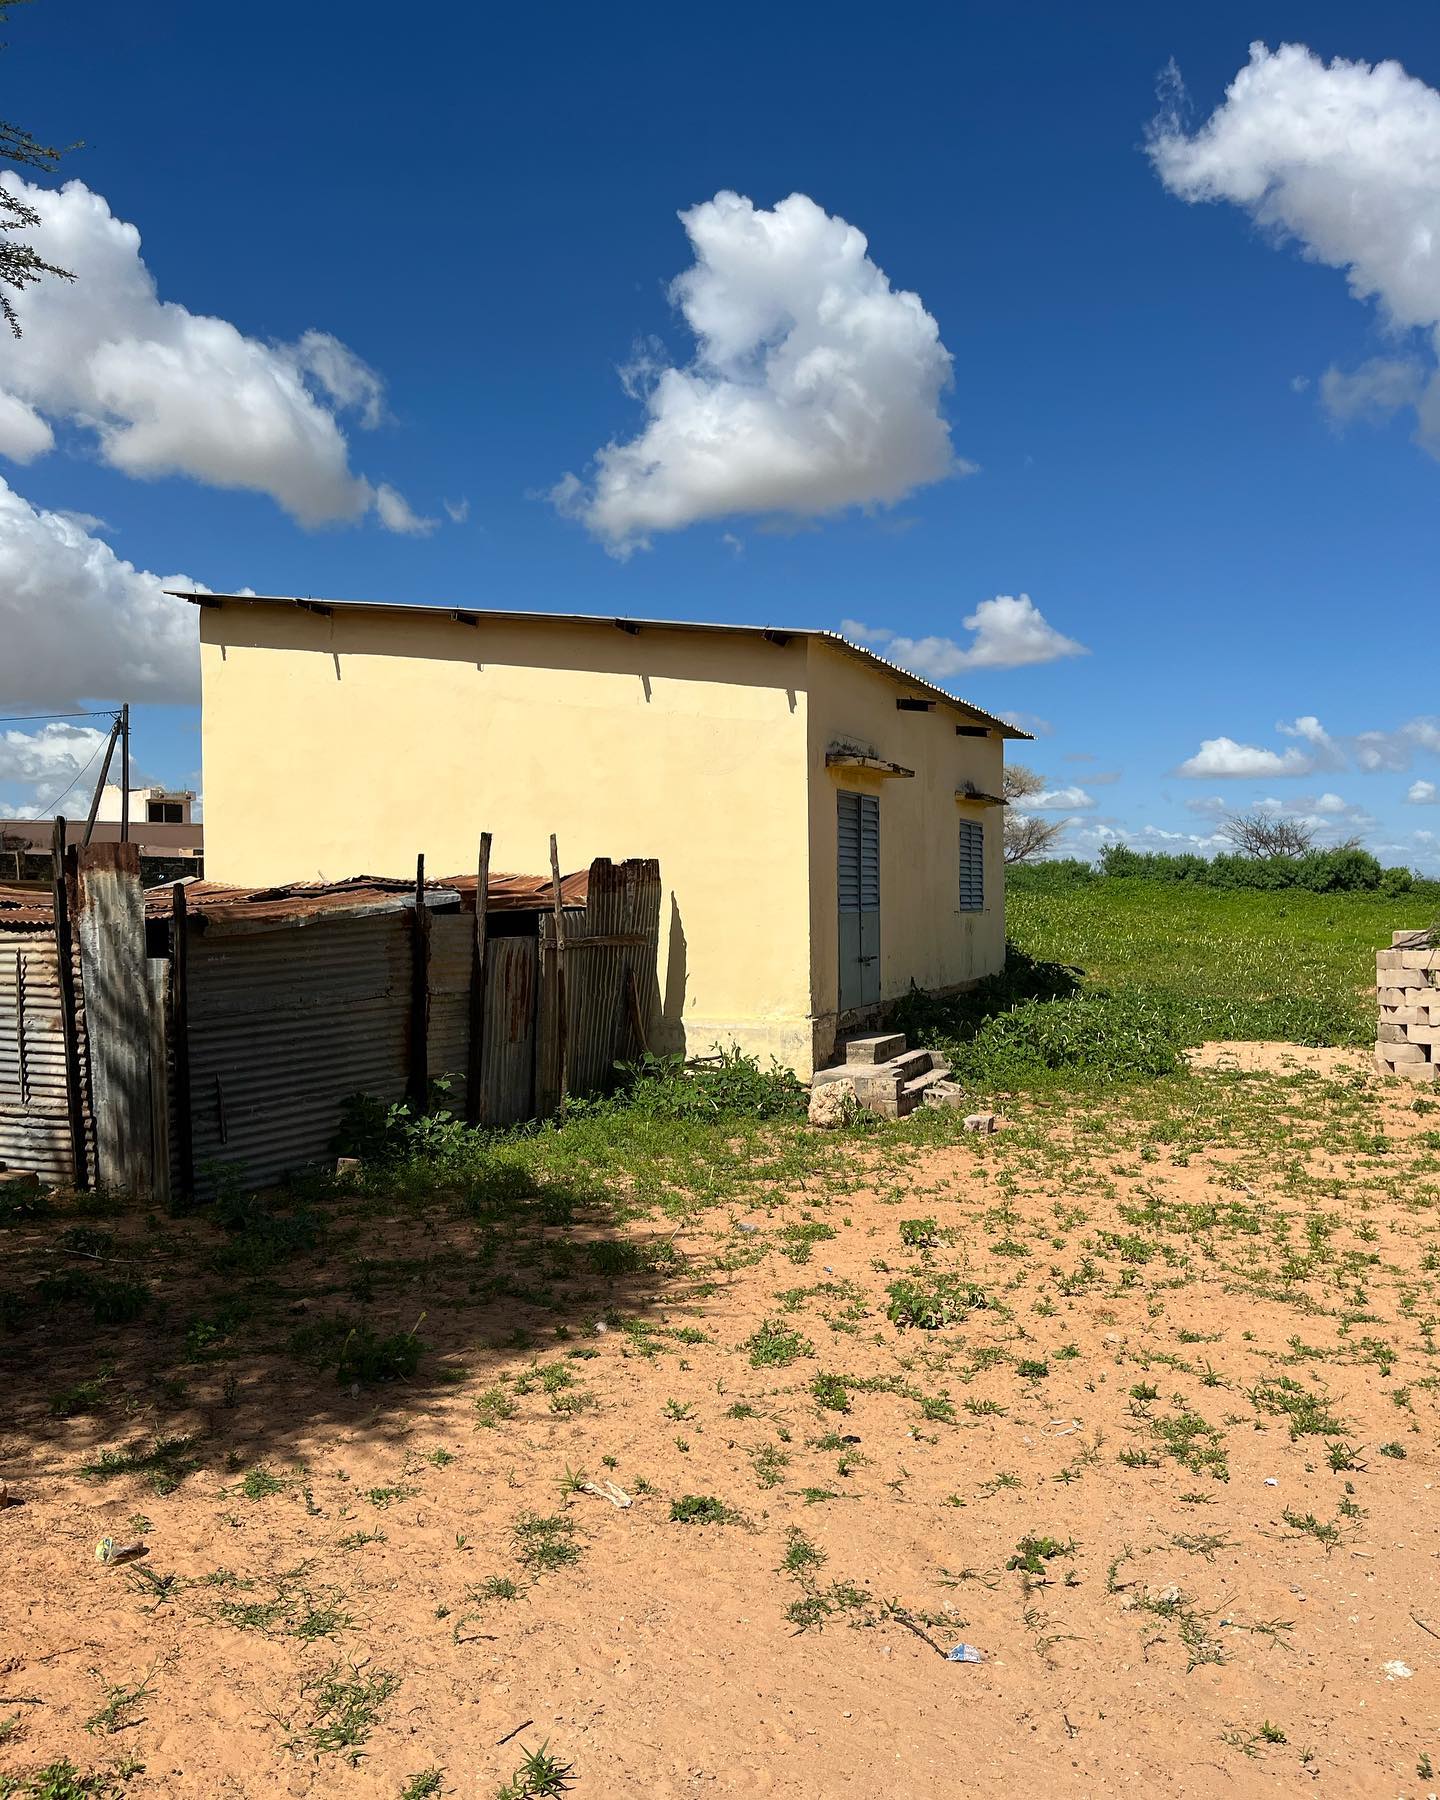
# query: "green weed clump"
(774, 1346)
(59, 1781)
(931, 1302)
(727, 1083)
(366, 1356)
(111, 1301)
(701, 1509)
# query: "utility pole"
(125, 773)
(105, 770)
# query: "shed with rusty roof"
(826, 824)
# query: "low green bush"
(726, 1083)
(1346, 869)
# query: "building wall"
(344, 744)
(924, 937)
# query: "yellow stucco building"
(827, 826)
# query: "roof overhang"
(777, 636)
(839, 758)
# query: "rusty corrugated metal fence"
(263, 1011)
(34, 1106)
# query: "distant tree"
(1027, 835)
(21, 264)
(1263, 834)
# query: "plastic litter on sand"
(964, 1653)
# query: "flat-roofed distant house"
(828, 827)
(162, 823)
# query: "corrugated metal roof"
(521, 893)
(219, 905)
(25, 909)
(297, 902)
(471, 615)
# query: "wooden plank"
(179, 1017)
(562, 1022)
(111, 928)
(475, 1065)
(419, 1085)
(159, 973)
(69, 1019)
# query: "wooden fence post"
(475, 1069)
(562, 1020)
(110, 924)
(179, 1021)
(419, 1086)
(69, 1011)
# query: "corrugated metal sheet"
(284, 1025)
(215, 907)
(26, 909)
(618, 932)
(452, 958)
(221, 907)
(507, 1085)
(34, 1117)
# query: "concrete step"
(921, 1083)
(911, 1064)
(874, 1046)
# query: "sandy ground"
(1248, 1620)
(1280, 1059)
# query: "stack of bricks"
(1408, 978)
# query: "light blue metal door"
(858, 868)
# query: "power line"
(107, 712)
(48, 810)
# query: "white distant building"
(148, 806)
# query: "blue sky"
(483, 209)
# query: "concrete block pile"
(1407, 976)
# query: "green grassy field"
(1232, 964)
(1113, 979)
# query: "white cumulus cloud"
(1221, 757)
(814, 385)
(395, 514)
(165, 391)
(77, 622)
(1010, 632)
(1375, 751)
(1423, 793)
(1342, 159)
(1323, 751)
(1063, 799)
(1225, 758)
(52, 760)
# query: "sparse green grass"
(545, 1543)
(423, 1785)
(775, 1346)
(540, 1776)
(345, 1703)
(1051, 1280)
(1032, 1553)
(60, 1781)
(932, 1301)
(165, 1463)
(118, 1710)
(702, 1509)
(259, 1483)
